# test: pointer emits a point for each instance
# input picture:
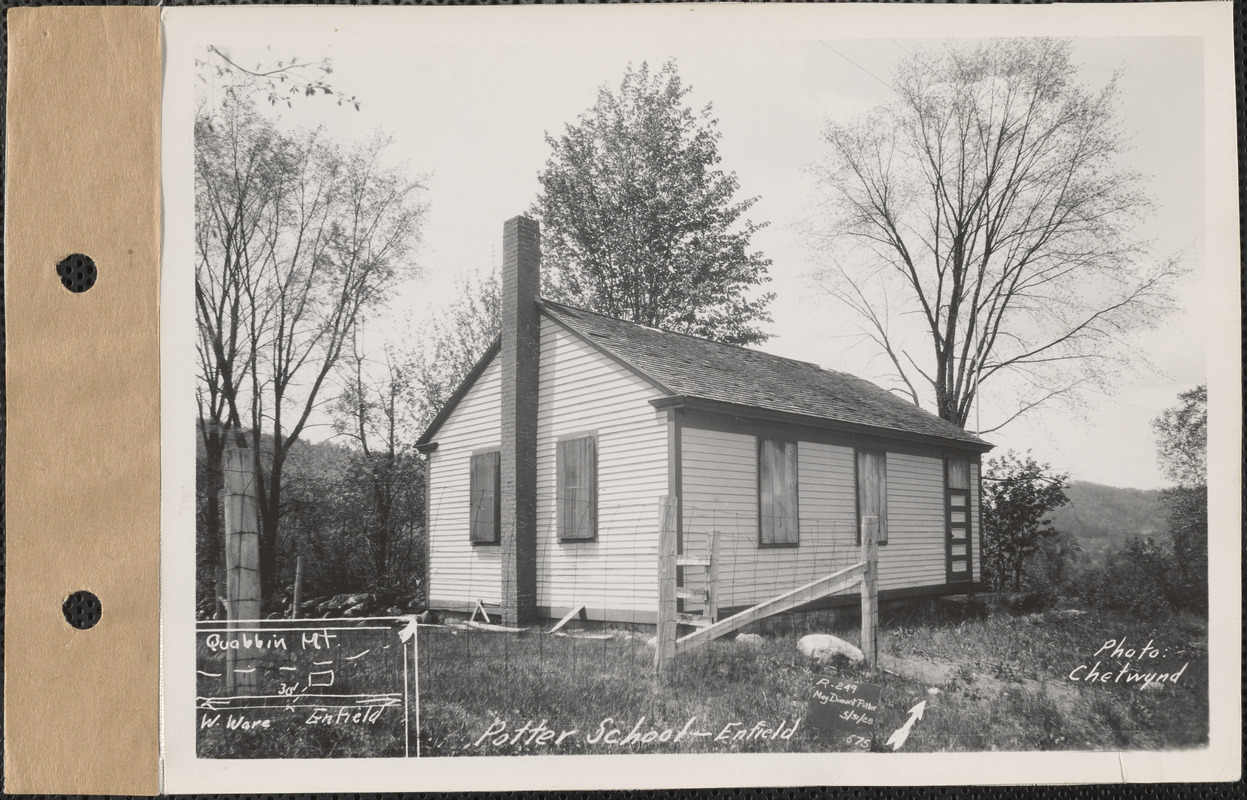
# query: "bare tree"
(984, 231)
(300, 239)
(377, 410)
(237, 186)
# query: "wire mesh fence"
(491, 688)
(580, 677)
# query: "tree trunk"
(270, 516)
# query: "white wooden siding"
(720, 493)
(585, 391)
(915, 554)
(460, 572)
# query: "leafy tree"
(1182, 449)
(454, 341)
(1182, 438)
(1018, 498)
(639, 222)
(984, 232)
(278, 82)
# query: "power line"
(903, 47)
(854, 63)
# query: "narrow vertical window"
(957, 490)
(778, 513)
(872, 492)
(485, 514)
(578, 488)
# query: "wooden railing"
(863, 574)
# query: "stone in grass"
(750, 640)
(934, 692)
(824, 646)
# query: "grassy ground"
(1002, 684)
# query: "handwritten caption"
(351, 676)
(613, 732)
(845, 710)
(1119, 661)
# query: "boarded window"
(872, 492)
(578, 488)
(778, 522)
(486, 511)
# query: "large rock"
(750, 640)
(338, 601)
(824, 646)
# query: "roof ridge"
(686, 335)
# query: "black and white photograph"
(687, 389)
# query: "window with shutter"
(578, 488)
(778, 510)
(872, 492)
(485, 492)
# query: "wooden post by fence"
(242, 561)
(712, 576)
(664, 644)
(870, 590)
(218, 590)
(297, 603)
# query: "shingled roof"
(691, 367)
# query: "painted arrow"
(898, 737)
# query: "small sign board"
(844, 710)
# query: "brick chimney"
(521, 351)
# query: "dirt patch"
(966, 674)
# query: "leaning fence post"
(664, 643)
(870, 590)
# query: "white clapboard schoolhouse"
(546, 467)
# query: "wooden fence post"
(664, 643)
(870, 590)
(297, 603)
(712, 577)
(218, 589)
(242, 561)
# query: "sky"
(473, 120)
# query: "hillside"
(1103, 517)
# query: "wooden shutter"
(486, 495)
(577, 488)
(872, 492)
(778, 509)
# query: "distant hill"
(1103, 517)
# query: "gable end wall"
(581, 391)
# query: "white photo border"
(187, 30)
